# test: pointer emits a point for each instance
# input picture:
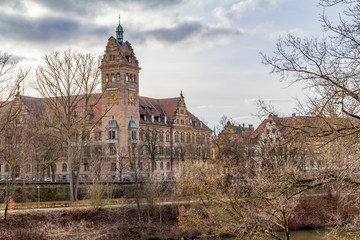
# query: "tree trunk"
(137, 194)
(71, 180)
(7, 195)
(78, 172)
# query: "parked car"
(126, 179)
(48, 179)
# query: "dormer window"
(89, 116)
(182, 111)
(165, 119)
(145, 117)
(152, 117)
(127, 77)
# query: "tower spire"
(119, 33)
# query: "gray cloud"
(37, 30)
(184, 31)
(86, 6)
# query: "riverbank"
(158, 222)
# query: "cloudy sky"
(209, 49)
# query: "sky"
(209, 49)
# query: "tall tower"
(120, 87)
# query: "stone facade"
(126, 118)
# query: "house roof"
(165, 107)
(306, 125)
(149, 106)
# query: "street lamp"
(38, 187)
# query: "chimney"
(251, 127)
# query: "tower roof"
(119, 28)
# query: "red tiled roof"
(310, 125)
(159, 107)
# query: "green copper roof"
(132, 124)
(119, 28)
(112, 124)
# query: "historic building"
(135, 133)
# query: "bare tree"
(11, 79)
(13, 150)
(150, 143)
(328, 67)
(330, 70)
(68, 81)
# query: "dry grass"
(89, 224)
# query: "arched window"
(161, 136)
(112, 77)
(182, 138)
(118, 77)
(188, 138)
(64, 167)
(134, 78)
(28, 168)
(131, 77)
(176, 137)
(167, 166)
(161, 165)
(167, 136)
(107, 78)
(127, 77)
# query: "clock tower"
(120, 87)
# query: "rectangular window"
(133, 135)
(112, 149)
(161, 137)
(167, 137)
(111, 135)
(98, 136)
(86, 167)
(113, 167)
(87, 151)
(161, 150)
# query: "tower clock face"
(131, 98)
(112, 97)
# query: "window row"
(162, 166)
(129, 77)
(97, 136)
(153, 118)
